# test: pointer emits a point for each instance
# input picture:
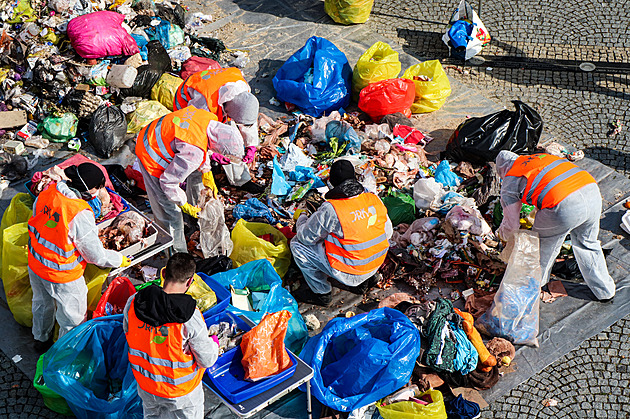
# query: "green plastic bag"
(17, 286)
(175, 36)
(430, 95)
(401, 208)
(165, 88)
(59, 129)
(379, 62)
(413, 410)
(348, 11)
(249, 246)
(146, 112)
(52, 400)
(20, 210)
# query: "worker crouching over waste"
(169, 347)
(568, 201)
(63, 239)
(346, 238)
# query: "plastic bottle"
(402, 395)
(122, 76)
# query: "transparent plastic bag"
(427, 193)
(146, 112)
(20, 210)
(17, 286)
(203, 294)
(349, 11)
(379, 62)
(215, 237)
(249, 246)
(430, 94)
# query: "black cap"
(85, 176)
(341, 170)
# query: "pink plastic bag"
(100, 34)
(195, 64)
(387, 96)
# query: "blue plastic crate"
(226, 316)
(223, 296)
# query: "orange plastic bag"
(387, 96)
(263, 348)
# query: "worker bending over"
(346, 238)
(568, 201)
(169, 346)
(63, 239)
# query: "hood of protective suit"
(505, 160)
(156, 308)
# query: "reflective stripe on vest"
(49, 245)
(364, 246)
(550, 179)
(52, 265)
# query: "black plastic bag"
(175, 15)
(214, 265)
(157, 56)
(142, 85)
(479, 140)
(107, 130)
(208, 47)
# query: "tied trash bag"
(362, 359)
(413, 410)
(349, 11)
(264, 353)
(379, 62)
(386, 97)
(514, 311)
(195, 64)
(214, 235)
(467, 34)
(52, 400)
(20, 210)
(316, 78)
(164, 90)
(90, 367)
(479, 140)
(107, 130)
(146, 112)
(249, 246)
(59, 129)
(15, 281)
(401, 208)
(115, 297)
(432, 93)
(100, 34)
(259, 276)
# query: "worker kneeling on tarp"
(568, 202)
(63, 239)
(346, 238)
(169, 346)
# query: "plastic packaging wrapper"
(479, 140)
(90, 367)
(52, 400)
(20, 210)
(164, 90)
(249, 246)
(195, 64)
(203, 294)
(361, 359)
(379, 62)
(349, 11)
(427, 194)
(514, 311)
(15, 281)
(430, 94)
(107, 130)
(114, 298)
(467, 34)
(386, 97)
(264, 353)
(401, 208)
(329, 89)
(253, 208)
(59, 129)
(445, 176)
(413, 410)
(146, 112)
(344, 133)
(259, 276)
(100, 34)
(98, 74)
(214, 235)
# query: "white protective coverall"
(309, 251)
(578, 215)
(71, 297)
(205, 351)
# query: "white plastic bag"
(237, 173)
(427, 193)
(215, 237)
(479, 36)
(515, 309)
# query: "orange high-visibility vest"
(153, 146)
(157, 359)
(51, 255)
(364, 245)
(207, 84)
(550, 179)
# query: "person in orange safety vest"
(169, 346)
(568, 201)
(63, 239)
(346, 238)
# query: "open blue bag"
(362, 359)
(331, 75)
(259, 275)
(89, 367)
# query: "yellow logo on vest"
(183, 122)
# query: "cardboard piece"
(11, 119)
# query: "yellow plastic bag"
(413, 410)
(17, 286)
(430, 95)
(94, 279)
(379, 62)
(165, 88)
(248, 245)
(20, 210)
(146, 112)
(348, 11)
(202, 293)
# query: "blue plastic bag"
(304, 174)
(329, 89)
(253, 208)
(467, 356)
(445, 176)
(360, 360)
(89, 367)
(344, 132)
(259, 275)
(142, 45)
(279, 185)
(160, 33)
